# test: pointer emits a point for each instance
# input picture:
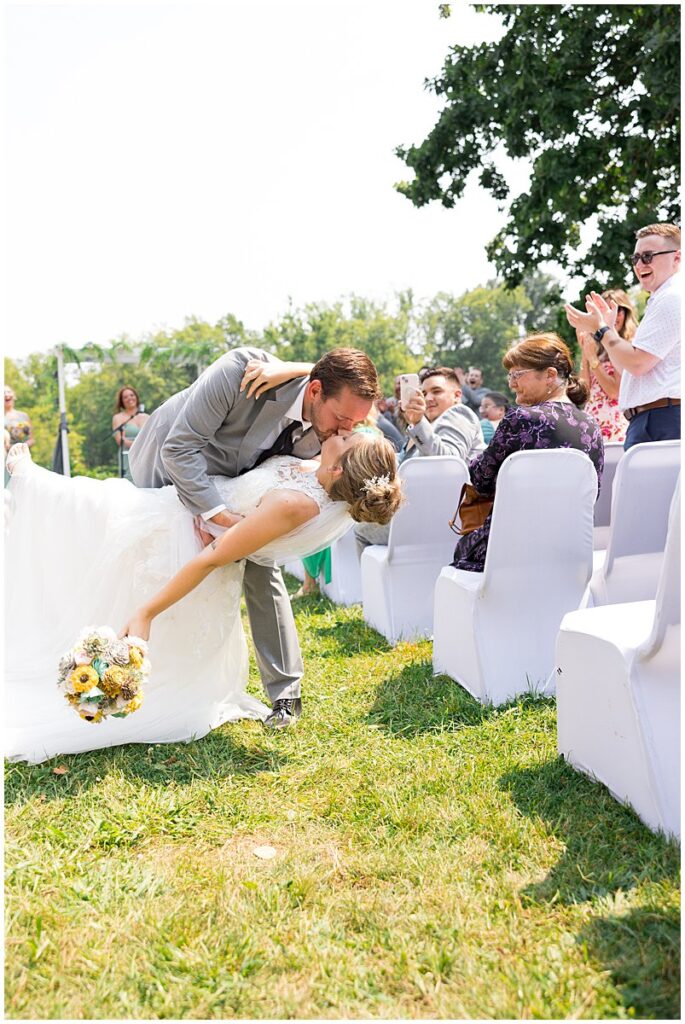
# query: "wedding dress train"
(83, 552)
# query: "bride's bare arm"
(279, 513)
(261, 376)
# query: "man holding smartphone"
(439, 424)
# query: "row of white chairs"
(396, 583)
(495, 632)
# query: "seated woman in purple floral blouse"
(546, 416)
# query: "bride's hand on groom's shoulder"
(138, 625)
(260, 376)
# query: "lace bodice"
(243, 493)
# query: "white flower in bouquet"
(117, 652)
(95, 640)
(66, 664)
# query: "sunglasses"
(647, 257)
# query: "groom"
(214, 428)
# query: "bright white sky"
(173, 160)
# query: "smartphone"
(409, 385)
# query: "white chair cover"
(346, 574)
(613, 451)
(643, 489)
(494, 631)
(398, 579)
(618, 694)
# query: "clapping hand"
(599, 312)
(588, 345)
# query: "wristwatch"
(598, 335)
(594, 363)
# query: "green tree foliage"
(475, 329)
(305, 334)
(590, 94)
(543, 292)
(194, 346)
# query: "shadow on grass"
(216, 756)
(415, 701)
(641, 950)
(353, 636)
(607, 847)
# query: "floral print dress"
(548, 425)
(605, 410)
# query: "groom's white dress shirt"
(294, 413)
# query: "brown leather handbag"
(473, 509)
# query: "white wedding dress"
(83, 552)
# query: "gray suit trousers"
(277, 649)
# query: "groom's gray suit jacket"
(213, 428)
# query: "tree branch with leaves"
(591, 95)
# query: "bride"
(82, 551)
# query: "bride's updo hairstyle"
(542, 351)
(369, 482)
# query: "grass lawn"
(434, 859)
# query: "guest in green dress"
(127, 422)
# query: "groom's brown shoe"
(284, 713)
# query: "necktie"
(283, 445)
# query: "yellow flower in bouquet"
(112, 681)
(133, 704)
(89, 713)
(101, 675)
(84, 678)
(135, 657)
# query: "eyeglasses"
(647, 257)
(515, 374)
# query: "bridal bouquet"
(102, 675)
(19, 431)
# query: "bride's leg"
(16, 454)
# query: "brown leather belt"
(661, 403)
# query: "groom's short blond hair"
(347, 367)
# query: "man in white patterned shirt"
(650, 386)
